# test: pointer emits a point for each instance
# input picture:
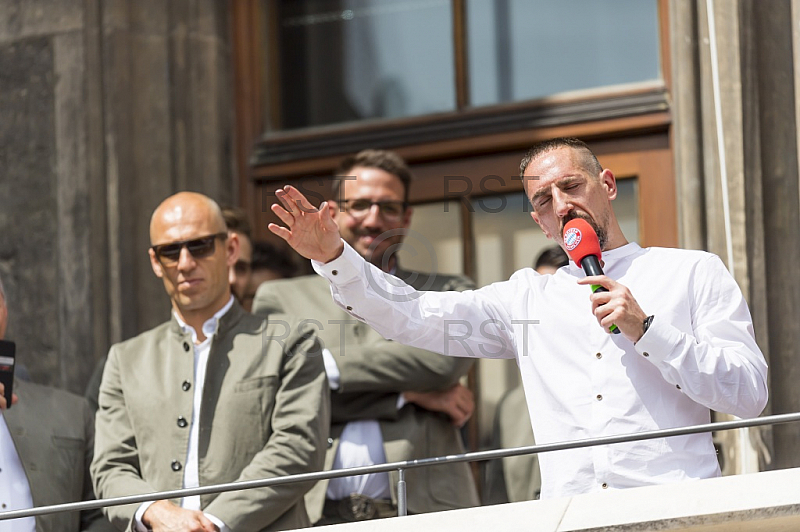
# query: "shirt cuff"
(137, 517)
(217, 521)
(331, 369)
(342, 269)
(659, 341)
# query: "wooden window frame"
(608, 111)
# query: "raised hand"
(310, 231)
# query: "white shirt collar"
(210, 325)
(612, 256)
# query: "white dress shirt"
(15, 491)
(191, 473)
(581, 382)
(360, 444)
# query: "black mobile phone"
(7, 352)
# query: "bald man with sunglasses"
(214, 395)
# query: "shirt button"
(176, 466)
(349, 307)
(186, 385)
(599, 355)
(182, 422)
(646, 354)
(605, 486)
(186, 346)
(599, 397)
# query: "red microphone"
(583, 247)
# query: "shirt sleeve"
(718, 364)
(137, 517)
(464, 324)
(217, 521)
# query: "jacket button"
(349, 307)
(330, 443)
(176, 466)
(335, 272)
(182, 422)
(599, 397)
(186, 385)
(186, 346)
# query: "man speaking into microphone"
(685, 343)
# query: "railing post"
(402, 507)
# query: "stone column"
(775, 134)
(758, 98)
(108, 107)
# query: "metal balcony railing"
(400, 467)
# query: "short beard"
(602, 234)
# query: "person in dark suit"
(389, 402)
(46, 444)
(214, 395)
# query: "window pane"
(434, 243)
(525, 49)
(347, 60)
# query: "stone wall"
(107, 106)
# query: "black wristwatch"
(646, 323)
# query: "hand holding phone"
(7, 357)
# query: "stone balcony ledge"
(763, 502)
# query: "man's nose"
(561, 203)
(373, 216)
(186, 260)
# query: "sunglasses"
(390, 210)
(202, 247)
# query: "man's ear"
(155, 264)
(333, 208)
(336, 213)
(610, 182)
(232, 246)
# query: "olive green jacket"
(373, 371)
(265, 413)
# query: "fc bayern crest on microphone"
(572, 237)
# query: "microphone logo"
(572, 237)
